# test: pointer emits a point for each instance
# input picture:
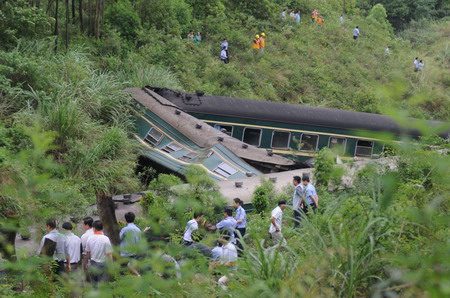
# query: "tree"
(124, 19)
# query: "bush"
(263, 196)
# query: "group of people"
(418, 64)
(259, 43)
(197, 38)
(295, 16)
(91, 252)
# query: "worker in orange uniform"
(262, 42)
(256, 44)
(320, 21)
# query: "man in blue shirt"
(228, 223)
(297, 199)
(130, 236)
(241, 220)
(311, 200)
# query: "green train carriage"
(293, 130)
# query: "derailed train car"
(297, 131)
(175, 140)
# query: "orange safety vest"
(262, 43)
(256, 43)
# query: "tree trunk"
(80, 14)
(105, 208)
(73, 12)
(7, 244)
(67, 25)
(56, 25)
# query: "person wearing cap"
(262, 42)
(228, 223)
(256, 44)
(276, 220)
(73, 248)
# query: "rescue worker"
(256, 43)
(262, 42)
(320, 21)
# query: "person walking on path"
(276, 220)
(416, 64)
(356, 33)
(297, 17)
(53, 245)
(198, 38)
(241, 228)
(228, 223)
(262, 42)
(310, 200)
(256, 44)
(99, 251)
(73, 248)
(130, 236)
(89, 231)
(297, 199)
(192, 225)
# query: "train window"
(337, 144)
(364, 148)
(252, 136)
(280, 139)
(188, 157)
(172, 147)
(309, 142)
(153, 137)
(228, 129)
(225, 170)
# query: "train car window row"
(280, 139)
(228, 129)
(364, 148)
(252, 136)
(172, 147)
(309, 142)
(337, 144)
(153, 137)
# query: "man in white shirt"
(228, 258)
(191, 226)
(99, 251)
(276, 220)
(356, 33)
(73, 248)
(420, 66)
(297, 199)
(53, 245)
(416, 64)
(89, 231)
(387, 51)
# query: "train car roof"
(284, 113)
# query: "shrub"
(263, 196)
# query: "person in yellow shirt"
(262, 42)
(256, 44)
(320, 21)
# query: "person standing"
(130, 236)
(191, 226)
(420, 66)
(341, 20)
(276, 220)
(320, 21)
(53, 245)
(356, 33)
(256, 44)
(73, 248)
(228, 223)
(292, 15)
(297, 17)
(89, 231)
(99, 251)
(224, 56)
(262, 42)
(241, 228)
(190, 35)
(198, 38)
(297, 199)
(387, 51)
(283, 15)
(416, 64)
(311, 200)
(314, 15)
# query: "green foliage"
(124, 18)
(263, 196)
